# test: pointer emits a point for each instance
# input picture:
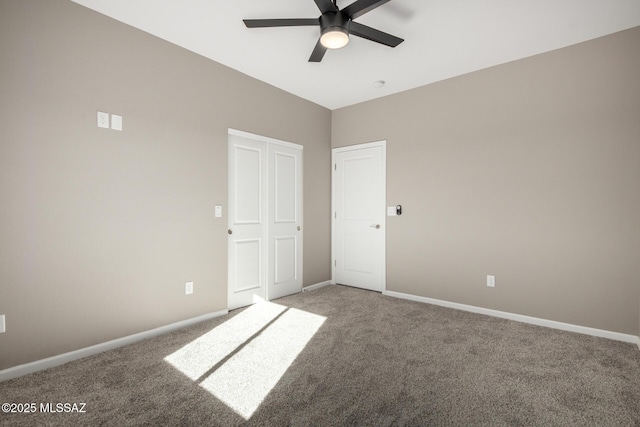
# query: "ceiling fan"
(335, 25)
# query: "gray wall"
(529, 171)
(101, 229)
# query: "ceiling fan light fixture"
(334, 38)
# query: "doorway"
(359, 221)
(265, 219)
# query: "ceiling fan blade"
(360, 7)
(262, 23)
(326, 6)
(318, 52)
(373, 34)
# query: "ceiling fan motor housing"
(332, 20)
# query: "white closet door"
(265, 219)
(247, 221)
(285, 220)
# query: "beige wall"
(101, 229)
(529, 171)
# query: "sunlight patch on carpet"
(199, 356)
(241, 360)
(246, 379)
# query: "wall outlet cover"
(188, 288)
(103, 120)
(2, 325)
(491, 281)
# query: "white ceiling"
(443, 38)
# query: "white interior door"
(265, 219)
(285, 221)
(359, 197)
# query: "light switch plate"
(391, 211)
(103, 120)
(188, 288)
(218, 211)
(2, 325)
(116, 122)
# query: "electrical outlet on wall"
(491, 281)
(103, 120)
(188, 288)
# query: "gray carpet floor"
(363, 359)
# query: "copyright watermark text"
(49, 407)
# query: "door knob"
(376, 226)
(230, 231)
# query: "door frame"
(267, 141)
(383, 145)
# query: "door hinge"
(335, 167)
(335, 263)
(335, 215)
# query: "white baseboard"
(317, 286)
(521, 318)
(50, 362)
